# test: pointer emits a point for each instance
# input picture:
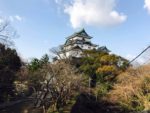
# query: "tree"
(35, 68)
(36, 64)
(7, 32)
(61, 80)
(10, 63)
(45, 59)
(58, 53)
(102, 64)
(111, 66)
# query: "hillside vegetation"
(100, 82)
(132, 89)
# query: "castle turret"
(76, 43)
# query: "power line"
(139, 55)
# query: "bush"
(102, 89)
(104, 65)
(10, 63)
(132, 90)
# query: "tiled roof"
(81, 33)
(79, 42)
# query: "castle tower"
(76, 44)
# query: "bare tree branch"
(7, 33)
(60, 86)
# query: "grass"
(132, 90)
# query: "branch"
(4, 27)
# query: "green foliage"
(102, 89)
(44, 59)
(35, 68)
(36, 64)
(36, 79)
(102, 68)
(10, 63)
(102, 64)
(89, 63)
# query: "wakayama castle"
(76, 44)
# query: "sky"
(121, 25)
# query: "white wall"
(73, 53)
(76, 53)
(87, 47)
(80, 38)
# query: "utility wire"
(139, 55)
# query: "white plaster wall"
(80, 38)
(87, 47)
(74, 53)
(83, 46)
(68, 47)
(77, 38)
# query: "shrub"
(104, 65)
(102, 89)
(132, 89)
(10, 64)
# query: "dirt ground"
(22, 107)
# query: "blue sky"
(121, 25)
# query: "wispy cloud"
(147, 5)
(15, 18)
(58, 1)
(93, 13)
(19, 18)
(1, 20)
